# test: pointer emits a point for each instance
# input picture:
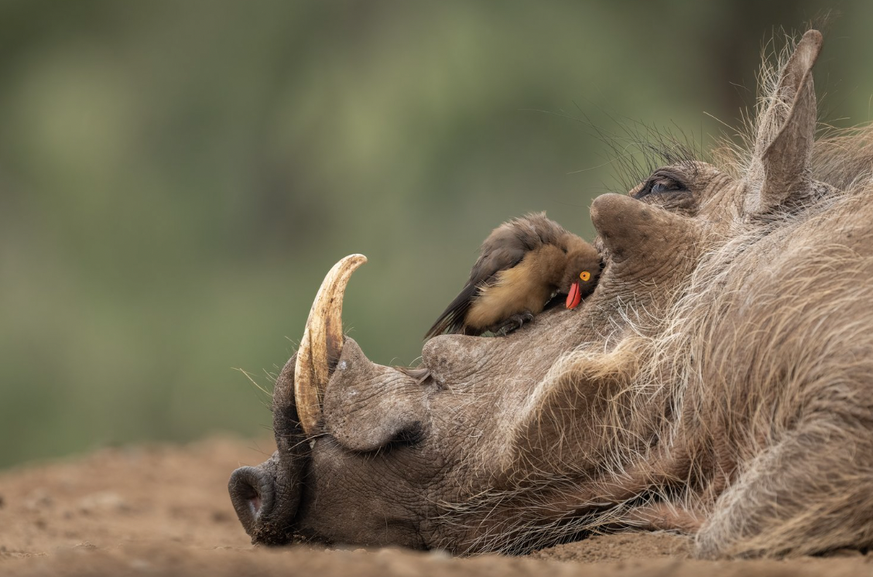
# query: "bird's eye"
(585, 275)
(660, 184)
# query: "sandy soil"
(164, 510)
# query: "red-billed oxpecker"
(523, 265)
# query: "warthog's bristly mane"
(636, 149)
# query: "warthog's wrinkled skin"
(719, 381)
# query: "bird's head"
(580, 275)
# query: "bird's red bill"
(575, 296)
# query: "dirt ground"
(164, 510)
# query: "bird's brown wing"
(503, 249)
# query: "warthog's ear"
(783, 146)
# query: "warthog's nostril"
(251, 492)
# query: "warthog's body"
(719, 381)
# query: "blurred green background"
(177, 177)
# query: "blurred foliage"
(176, 177)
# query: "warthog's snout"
(251, 492)
(266, 498)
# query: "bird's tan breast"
(524, 287)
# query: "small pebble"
(38, 499)
(102, 502)
(221, 516)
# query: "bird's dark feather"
(452, 319)
(507, 245)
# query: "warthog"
(718, 382)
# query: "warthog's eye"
(660, 183)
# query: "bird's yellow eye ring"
(585, 275)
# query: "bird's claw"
(512, 323)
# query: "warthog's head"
(585, 419)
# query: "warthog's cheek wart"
(367, 406)
(645, 243)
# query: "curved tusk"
(322, 341)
